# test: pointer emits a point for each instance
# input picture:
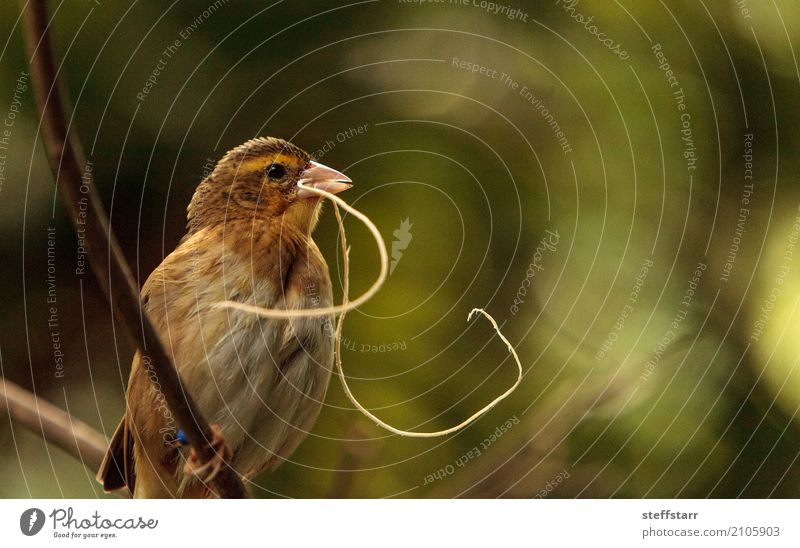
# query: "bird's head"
(259, 180)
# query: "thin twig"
(53, 424)
(76, 184)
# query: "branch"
(53, 424)
(76, 184)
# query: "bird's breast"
(254, 376)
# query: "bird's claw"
(207, 471)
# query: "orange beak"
(323, 178)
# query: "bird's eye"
(275, 171)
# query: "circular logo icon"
(31, 521)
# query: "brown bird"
(260, 381)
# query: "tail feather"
(116, 471)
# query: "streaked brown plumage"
(261, 381)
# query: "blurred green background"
(642, 378)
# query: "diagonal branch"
(76, 184)
(53, 424)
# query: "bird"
(259, 381)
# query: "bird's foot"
(207, 471)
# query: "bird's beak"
(322, 177)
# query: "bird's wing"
(149, 424)
(116, 470)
